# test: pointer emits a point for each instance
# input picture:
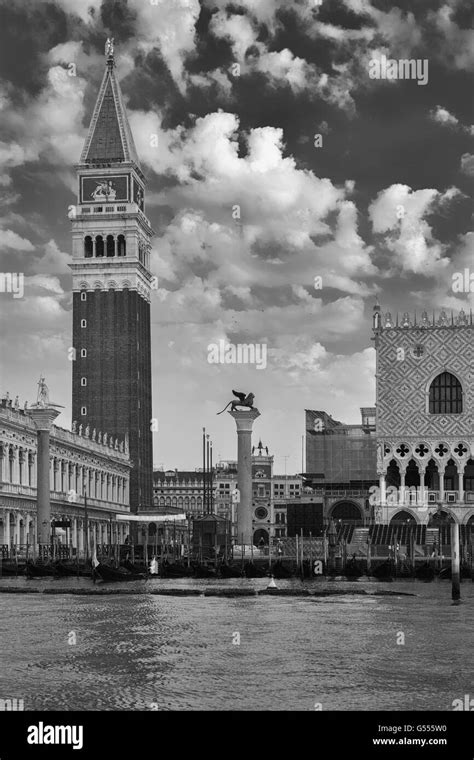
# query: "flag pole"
(211, 485)
(204, 470)
(207, 471)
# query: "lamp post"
(86, 526)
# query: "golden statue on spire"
(109, 47)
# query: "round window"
(261, 513)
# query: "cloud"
(53, 260)
(400, 211)
(170, 28)
(264, 183)
(445, 118)
(10, 239)
(455, 45)
(442, 116)
(467, 164)
(48, 127)
(80, 8)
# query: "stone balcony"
(103, 209)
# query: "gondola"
(404, 570)
(383, 572)
(445, 573)
(41, 569)
(64, 569)
(175, 570)
(353, 569)
(108, 573)
(280, 571)
(227, 571)
(425, 572)
(204, 571)
(131, 567)
(12, 568)
(254, 571)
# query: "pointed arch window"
(445, 396)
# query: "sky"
(287, 187)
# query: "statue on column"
(17, 403)
(244, 400)
(43, 393)
(74, 426)
(87, 431)
(94, 434)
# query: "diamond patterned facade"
(417, 447)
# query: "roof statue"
(244, 400)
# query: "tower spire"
(110, 138)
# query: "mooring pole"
(455, 564)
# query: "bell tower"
(111, 281)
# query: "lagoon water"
(147, 652)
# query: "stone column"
(244, 420)
(441, 482)
(383, 492)
(401, 499)
(423, 497)
(6, 528)
(15, 468)
(17, 540)
(460, 469)
(43, 417)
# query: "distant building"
(340, 468)
(182, 491)
(80, 465)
